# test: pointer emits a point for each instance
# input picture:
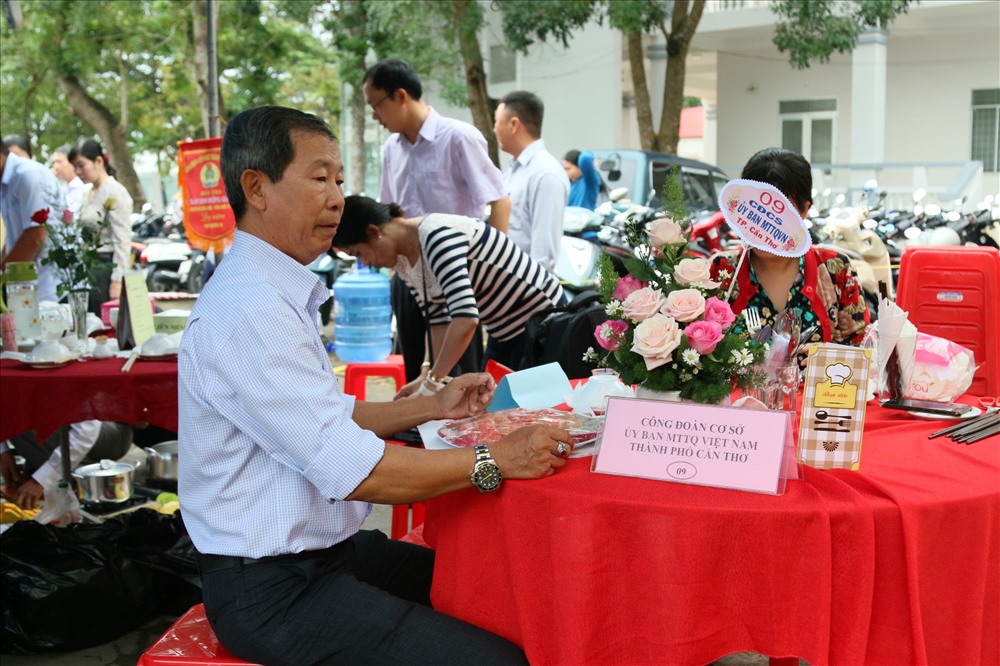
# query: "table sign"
(764, 218)
(135, 324)
(739, 449)
(534, 388)
(833, 406)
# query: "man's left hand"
(466, 395)
(29, 495)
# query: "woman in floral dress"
(106, 205)
(821, 285)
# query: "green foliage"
(811, 30)
(527, 21)
(139, 50)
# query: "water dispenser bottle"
(362, 316)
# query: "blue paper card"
(534, 388)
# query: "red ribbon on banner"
(208, 218)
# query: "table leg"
(67, 471)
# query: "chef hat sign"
(764, 218)
(838, 373)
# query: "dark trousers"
(101, 292)
(508, 352)
(411, 333)
(363, 601)
(112, 443)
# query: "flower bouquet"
(73, 251)
(669, 327)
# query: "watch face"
(486, 476)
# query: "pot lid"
(103, 468)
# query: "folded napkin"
(942, 369)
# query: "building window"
(503, 64)
(808, 128)
(986, 128)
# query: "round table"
(896, 563)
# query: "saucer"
(971, 414)
(158, 357)
(48, 364)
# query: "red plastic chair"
(497, 370)
(402, 520)
(954, 293)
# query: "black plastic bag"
(86, 584)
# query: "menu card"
(135, 319)
(833, 406)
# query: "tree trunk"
(95, 114)
(683, 26)
(480, 103)
(198, 65)
(643, 110)
(359, 110)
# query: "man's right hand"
(29, 495)
(12, 476)
(531, 452)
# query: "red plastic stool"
(189, 641)
(357, 374)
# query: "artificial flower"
(40, 216)
(685, 304)
(718, 310)
(664, 231)
(695, 272)
(704, 336)
(610, 334)
(643, 303)
(626, 285)
(655, 340)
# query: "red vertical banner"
(208, 219)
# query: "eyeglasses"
(375, 106)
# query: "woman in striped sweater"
(461, 270)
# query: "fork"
(752, 318)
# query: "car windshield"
(699, 193)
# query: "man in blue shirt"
(280, 466)
(29, 197)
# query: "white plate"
(49, 364)
(971, 414)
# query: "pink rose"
(719, 311)
(610, 333)
(67, 216)
(664, 231)
(685, 304)
(697, 272)
(643, 303)
(655, 339)
(703, 336)
(626, 286)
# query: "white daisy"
(691, 356)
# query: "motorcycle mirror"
(919, 194)
(618, 193)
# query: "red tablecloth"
(895, 564)
(44, 399)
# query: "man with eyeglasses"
(431, 164)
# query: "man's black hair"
(528, 108)
(19, 141)
(261, 139)
(391, 74)
(786, 170)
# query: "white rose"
(655, 339)
(697, 272)
(643, 303)
(685, 304)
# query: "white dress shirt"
(446, 170)
(75, 192)
(268, 446)
(538, 189)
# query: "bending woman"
(107, 201)
(469, 272)
(821, 284)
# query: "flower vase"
(652, 394)
(79, 301)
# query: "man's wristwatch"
(485, 475)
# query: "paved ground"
(126, 650)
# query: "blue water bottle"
(362, 316)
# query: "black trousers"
(411, 333)
(363, 601)
(101, 291)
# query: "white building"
(913, 107)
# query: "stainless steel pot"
(106, 482)
(163, 460)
